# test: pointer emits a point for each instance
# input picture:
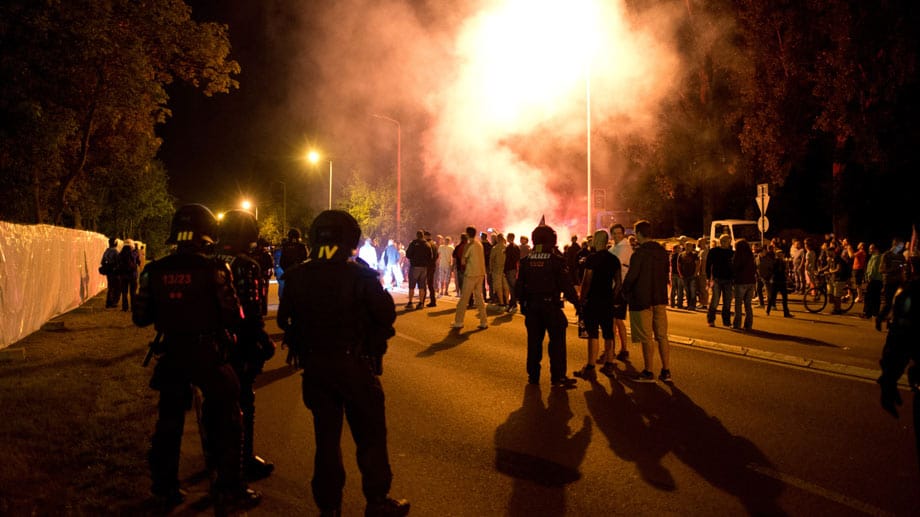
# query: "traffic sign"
(763, 189)
(762, 203)
(763, 224)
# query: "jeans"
(690, 290)
(677, 291)
(744, 293)
(721, 288)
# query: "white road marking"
(830, 495)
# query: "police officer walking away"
(190, 300)
(337, 316)
(238, 233)
(541, 279)
(903, 345)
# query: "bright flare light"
(512, 119)
(526, 57)
(246, 204)
(313, 157)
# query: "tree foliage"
(372, 205)
(820, 93)
(82, 86)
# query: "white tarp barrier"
(45, 271)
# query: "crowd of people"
(712, 275)
(208, 298)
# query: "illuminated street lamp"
(247, 206)
(398, 169)
(314, 158)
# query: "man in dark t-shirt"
(601, 279)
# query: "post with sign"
(762, 199)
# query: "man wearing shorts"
(646, 289)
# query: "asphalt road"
(732, 435)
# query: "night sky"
(314, 73)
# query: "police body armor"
(177, 295)
(332, 313)
(542, 277)
(255, 347)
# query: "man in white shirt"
(445, 264)
(368, 254)
(474, 272)
(622, 250)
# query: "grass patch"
(77, 417)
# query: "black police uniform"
(253, 348)
(902, 346)
(189, 299)
(267, 263)
(337, 316)
(542, 277)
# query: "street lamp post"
(314, 158)
(398, 170)
(588, 118)
(330, 184)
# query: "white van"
(737, 228)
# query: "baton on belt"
(151, 350)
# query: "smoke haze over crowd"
(502, 86)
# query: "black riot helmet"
(238, 231)
(193, 225)
(334, 230)
(543, 237)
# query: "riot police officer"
(903, 345)
(542, 278)
(261, 255)
(238, 233)
(337, 317)
(190, 300)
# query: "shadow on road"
(651, 421)
(802, 340)
(269, 376)
(452, 339)
(537, 448)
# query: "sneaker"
(432, 304)
(418, 305)
(456, 325)
(623, 356)
(645, 376)
(257, 468)
(512, 309)
(665, 375)
(387, 507)
(712, 324)
(482, 327)
(608, 369)
(410, 306)
(563, 382)
(587, 373)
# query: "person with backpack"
(127, 274)
(109, 268)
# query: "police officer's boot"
(386, 507)
(254, 467)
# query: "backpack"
(109, 262)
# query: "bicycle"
(816, 297)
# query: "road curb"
(791, 360)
